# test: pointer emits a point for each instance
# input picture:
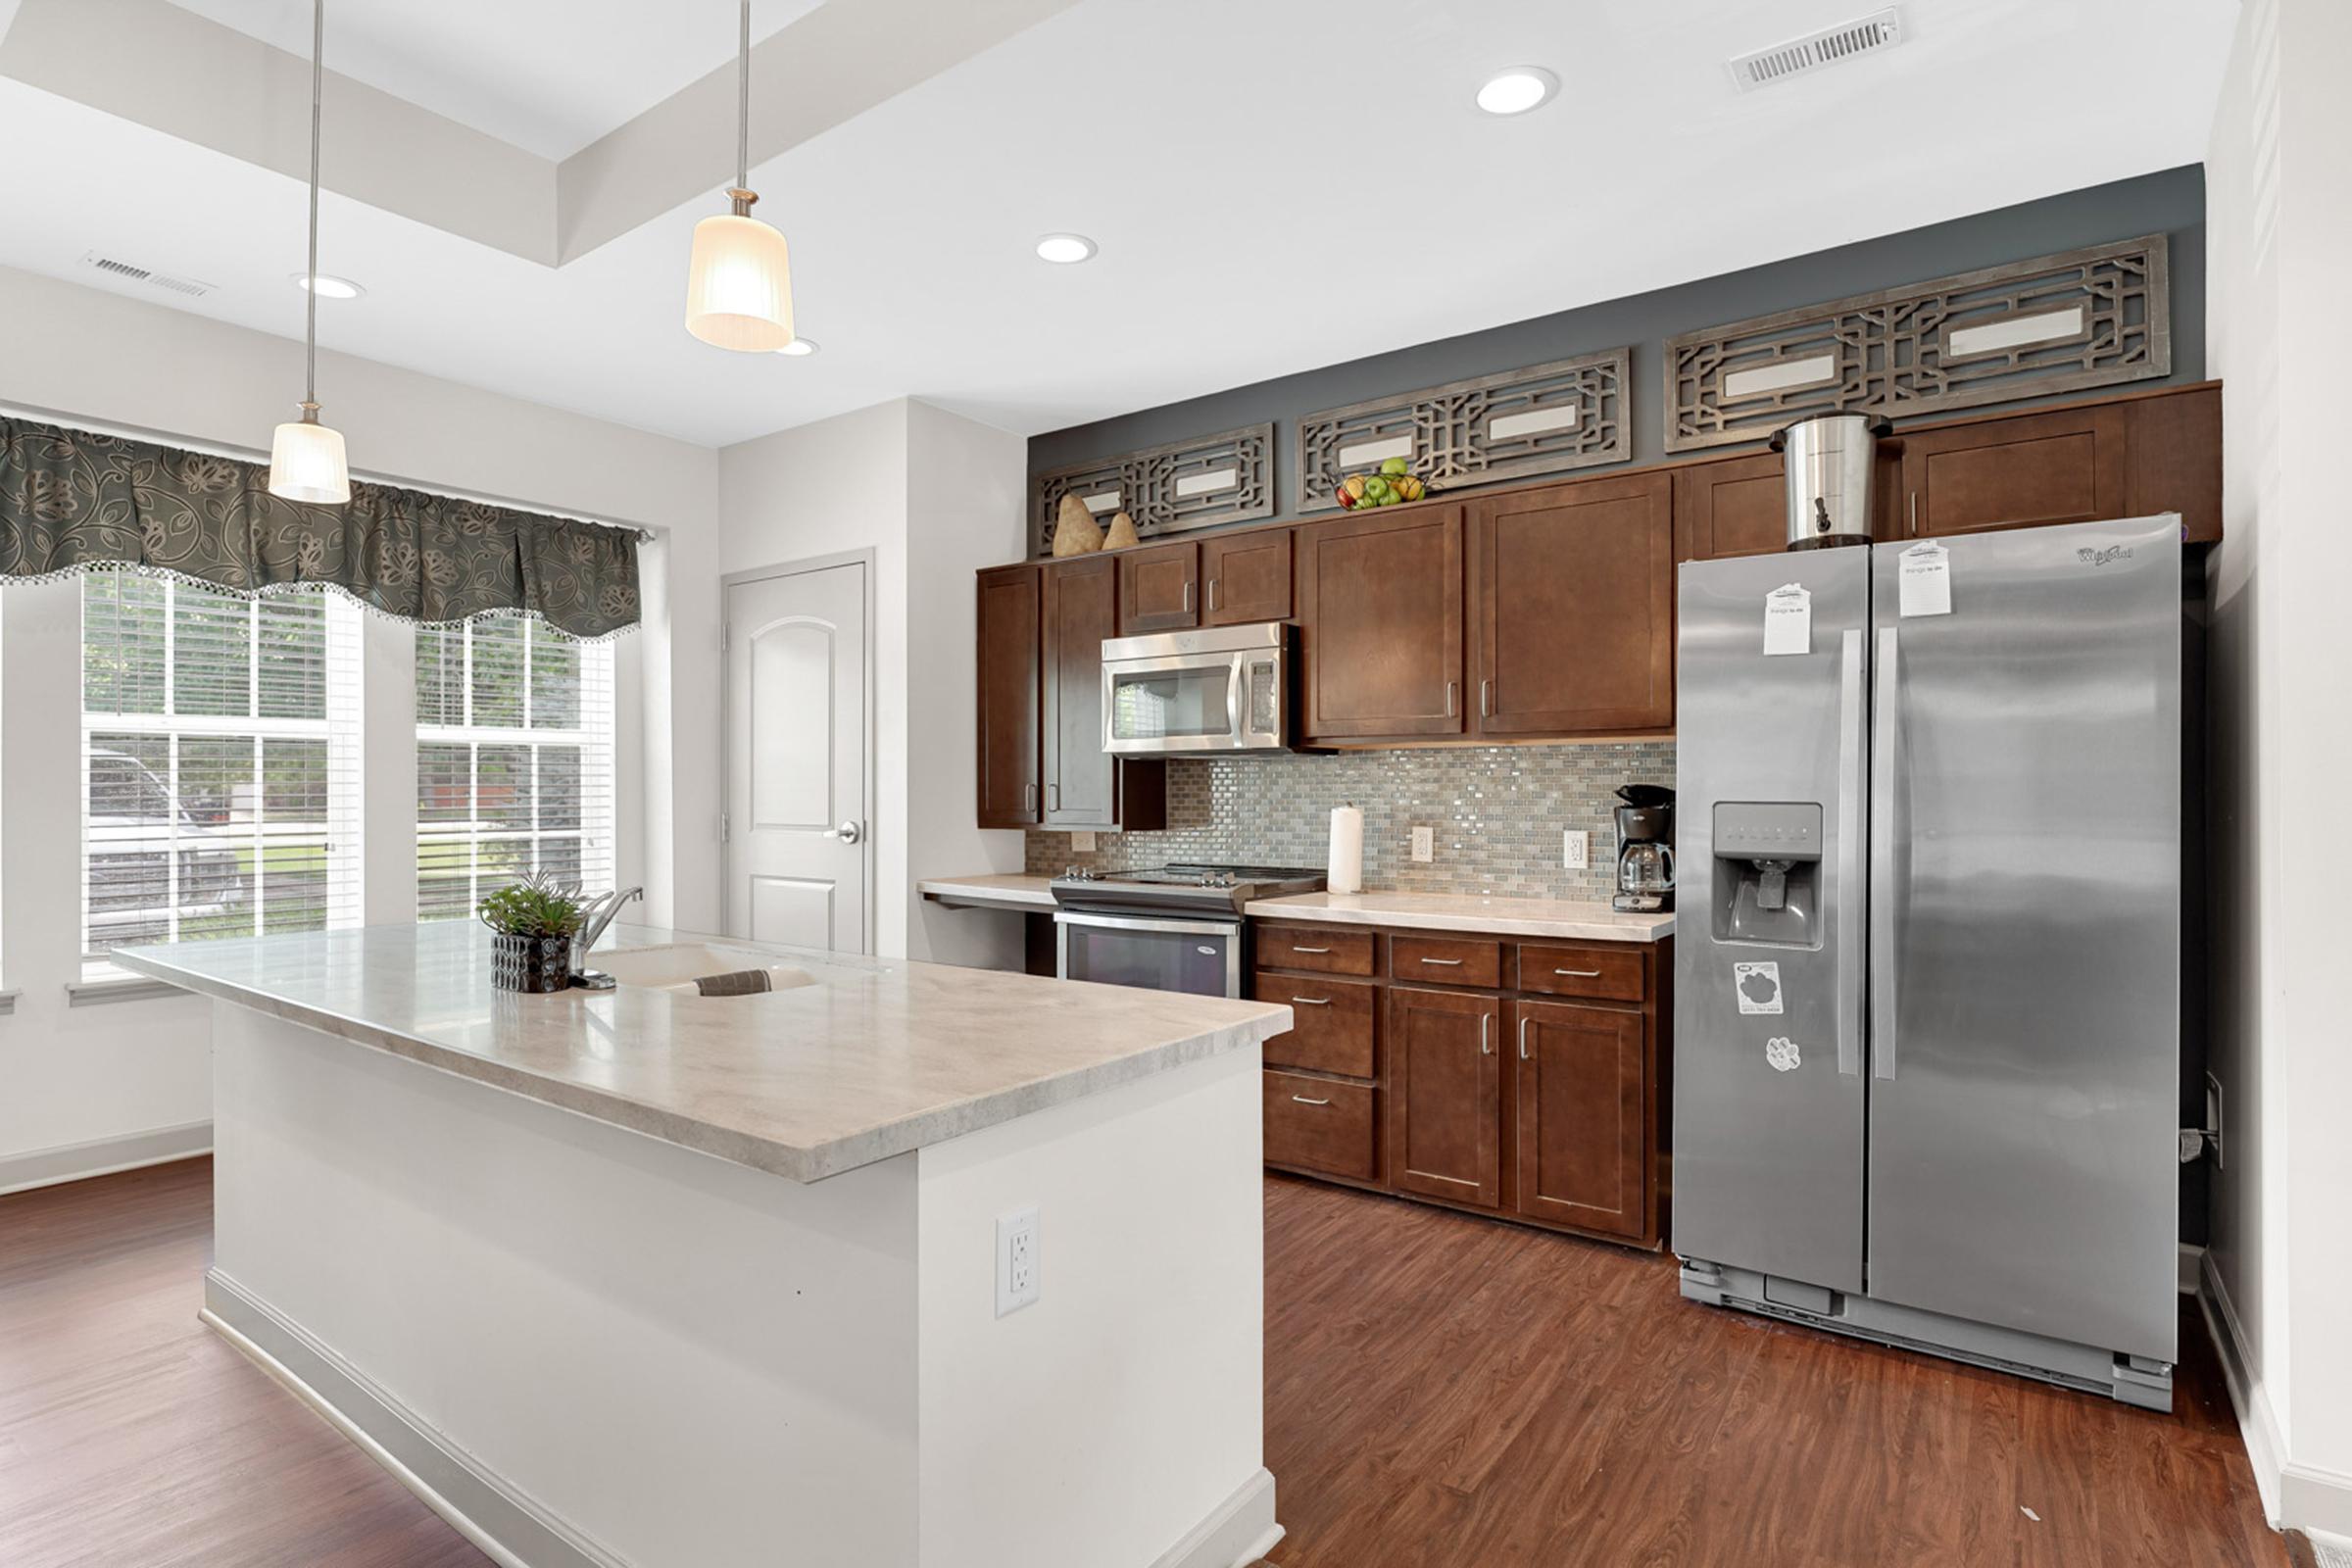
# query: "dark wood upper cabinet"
(1245, 577)
(1380, 607)
(1730, 507)
(1584, 1123)
(1011, 688)
(2064, 466)
(1444, 1094)
(1575, 607)
(2177, 460)
(1081, 609)
(1159, 588)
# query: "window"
(221, 778)
(514, 761)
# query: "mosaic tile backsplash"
(1498, 811)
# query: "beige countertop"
(1558, 918)
(1009, 890)
(875, 1058)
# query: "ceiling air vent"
(133, 273)
(1832, 46)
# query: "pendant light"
(306, 458)
(739, 282)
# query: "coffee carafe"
(1644, 849)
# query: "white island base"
(584, 1346)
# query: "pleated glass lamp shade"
(306, 463)
(739, 285)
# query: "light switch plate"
(1425, 848)
(1576, 849)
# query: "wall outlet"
(1016, 1260)
(1425, 848)
(1576, 849)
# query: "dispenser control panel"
(1767, 830)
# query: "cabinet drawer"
(1333, 1030)
(1300, 947)
(1320, 1124)
(1446, 960)
(1607, 974)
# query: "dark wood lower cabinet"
(1519, 1078)
(1583, 1116)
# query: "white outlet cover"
(1018, 1262)
(1424, 844)
(1576, 849)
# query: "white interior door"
(799, 865)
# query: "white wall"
(934, 496)
(101, 1076)
(2280, 223)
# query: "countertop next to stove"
(1557, 918)
(1009, 890)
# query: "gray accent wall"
(2171, 202)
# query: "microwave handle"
(1237, 722)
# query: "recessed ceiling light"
(800, 348)
(331, 287)
(1064, 249)
(1517, 90)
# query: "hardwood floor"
(1440, 1390)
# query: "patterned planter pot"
(538, 964)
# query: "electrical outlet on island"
(1425, 848)
(1016, 1260)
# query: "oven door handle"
(1122, 922)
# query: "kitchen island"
(643, 1276)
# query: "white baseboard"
(103, 1156)
(1237, 1533)
(2296, 1497)
(2192, 1267)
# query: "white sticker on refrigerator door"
(1787, 621)
(1758, 987)
(1781, 1052)
(1922, 580)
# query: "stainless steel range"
(1177, 928)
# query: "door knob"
(848, 833)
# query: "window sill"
(119, 988)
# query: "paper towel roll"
(1346, 874)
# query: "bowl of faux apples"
(1385, 486)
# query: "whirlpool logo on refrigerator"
(2103, 558)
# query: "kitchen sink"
(676, 965)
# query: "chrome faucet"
(596, 915)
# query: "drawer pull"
(1523, 1023)
(1485, 1046)
(1310, 1001)
(1296, 948)
(1445, 964)
(1579, 974)
(1301, 1099)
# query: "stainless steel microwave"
(1219, 689)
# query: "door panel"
(2064, 466)
(1576, 606)
(1159, 588)
(1379, 600)
(1730, 507)
(1012, 685)
(1444, 1094)
(1080, 778)
(796, 704)
(1246, 578)
(1584, 1147)
(1769, 1161)
(2025, 967)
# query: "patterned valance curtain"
(73, 502)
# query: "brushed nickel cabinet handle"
(1053, 797)
(1029, 798)
(1444, 963)
(1310, 1001)
(1523, 1023)
(1295, 948)
(1450, 691)
(1579, 974)
(1485, 1046)
(1915, 512)
(1301, 1099)
(1188, 597)
(1485, 699)
(1212, 593)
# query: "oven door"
(1156, 954)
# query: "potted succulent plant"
(534, 921)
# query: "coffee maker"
(1644, 849)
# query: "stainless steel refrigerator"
(1928, 950)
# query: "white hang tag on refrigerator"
(1787, 621)
(1758, 987)
(1923, 580)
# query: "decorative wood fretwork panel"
(1226, 477)
(2057, 324)
(1520, 424)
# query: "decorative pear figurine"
(1075, 531)
(1122, 533)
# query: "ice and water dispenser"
(1767, 884)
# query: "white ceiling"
(548, 76)
(1276, 184)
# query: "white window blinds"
(221, 764)
(513, 761)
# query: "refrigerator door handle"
(1852, 962)
(1884, 999)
